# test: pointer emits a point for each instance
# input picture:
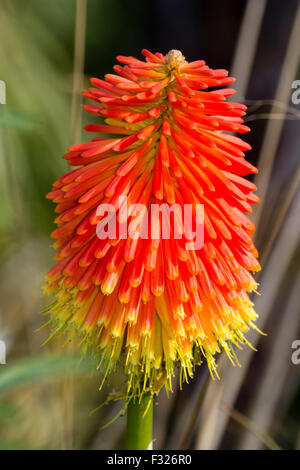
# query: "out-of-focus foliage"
(37, 70)
(36, 56)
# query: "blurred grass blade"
(248, 40)
(28, 371)
(78, 70)
(250, 426)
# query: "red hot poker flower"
(150, 304)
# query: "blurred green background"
(46, 394)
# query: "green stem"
(139, 423)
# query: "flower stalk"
(139, 423)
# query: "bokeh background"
(48, 50)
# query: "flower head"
(150, 304)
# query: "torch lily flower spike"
(147, 305)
